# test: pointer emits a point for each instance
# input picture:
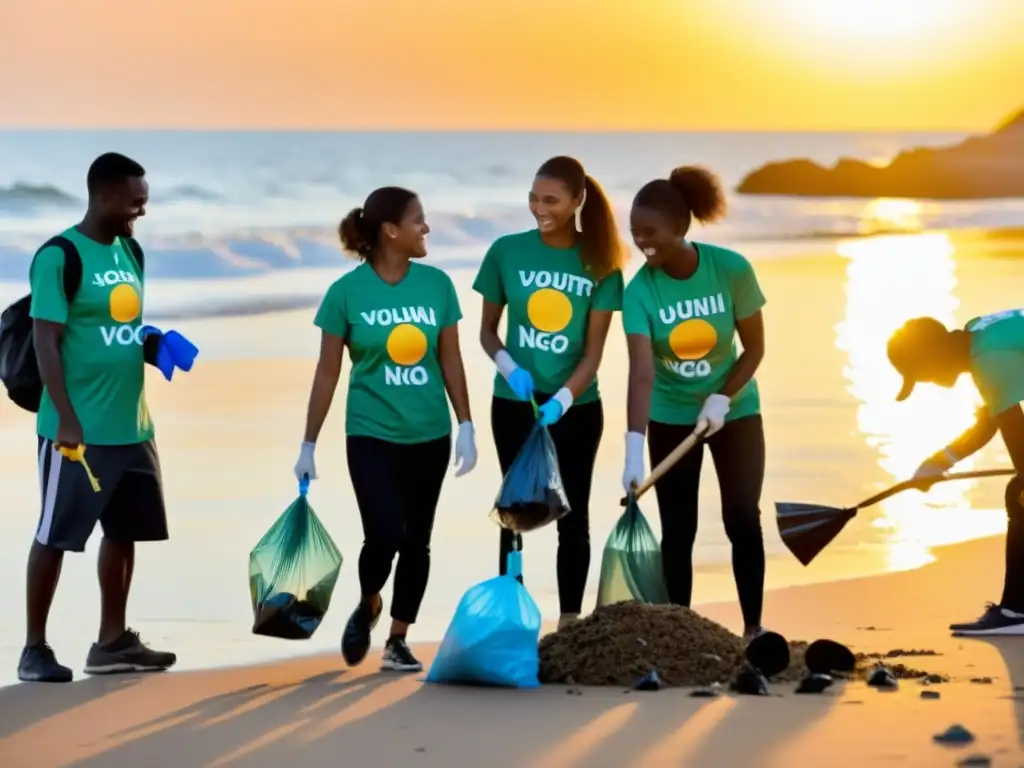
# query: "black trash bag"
(292, 573)
(828, 656)
(768, 653)
(531, 495)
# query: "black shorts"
(129, 504)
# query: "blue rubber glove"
(155, 352)
(550, 412)
(554, 409)
(182, 351)
(521, 383)
(172, 350)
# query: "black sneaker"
(995, 621)
(355, 640)
(127, 654)
(398, 657)
(39, 664)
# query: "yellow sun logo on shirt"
(549, 310)
(407, 344)
(692, 339)
(124, 303)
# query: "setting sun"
(865, 21)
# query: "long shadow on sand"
(332, 717)
(24, 704)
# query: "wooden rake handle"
(696, 437)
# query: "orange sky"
(513, 64)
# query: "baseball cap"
(912, 347)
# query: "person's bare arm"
(490, 318)
(325, 382)
(598, 323)
(973, 439)
(751, 333)
(47, 338)
(641, 382)
(454, 372)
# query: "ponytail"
(701, 191)
(360, 229)
(352, 232)
(690, 192)
(600, 247)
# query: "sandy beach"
(314, 712)
(227, 433)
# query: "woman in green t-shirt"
(681, 313)
(399, 320)
(561, 283)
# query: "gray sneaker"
(127, 654)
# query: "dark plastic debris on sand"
(815, 682)
(955, 734)
(882, 678)
(931, 695)
(649, 682)
(975, 760)
(707, 691)
(749, 681)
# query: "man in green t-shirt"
(90, 353)
(991, 350)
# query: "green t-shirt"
(549, 296)
(104, 370)
(396, 390)
(692, 327)
(997, 358)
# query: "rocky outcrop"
(989, 166)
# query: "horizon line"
(394, 130)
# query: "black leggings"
(397, 487)
(1013, 581)
(576, 436)
(738, 452)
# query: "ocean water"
(240, 247)
(265, 206)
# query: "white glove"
(306, 465)
(936, 466)
(714, 411)
(634, 471)
(465, 449)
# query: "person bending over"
(91, 363)
(681, 314)
(561, 283)
(991, 350)
(399, 320)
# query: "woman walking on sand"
(399, 320)
(561, 283)
(681, 313)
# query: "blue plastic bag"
(531, 495)
(493, 637)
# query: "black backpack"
(19, 370)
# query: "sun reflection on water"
(891, 279)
